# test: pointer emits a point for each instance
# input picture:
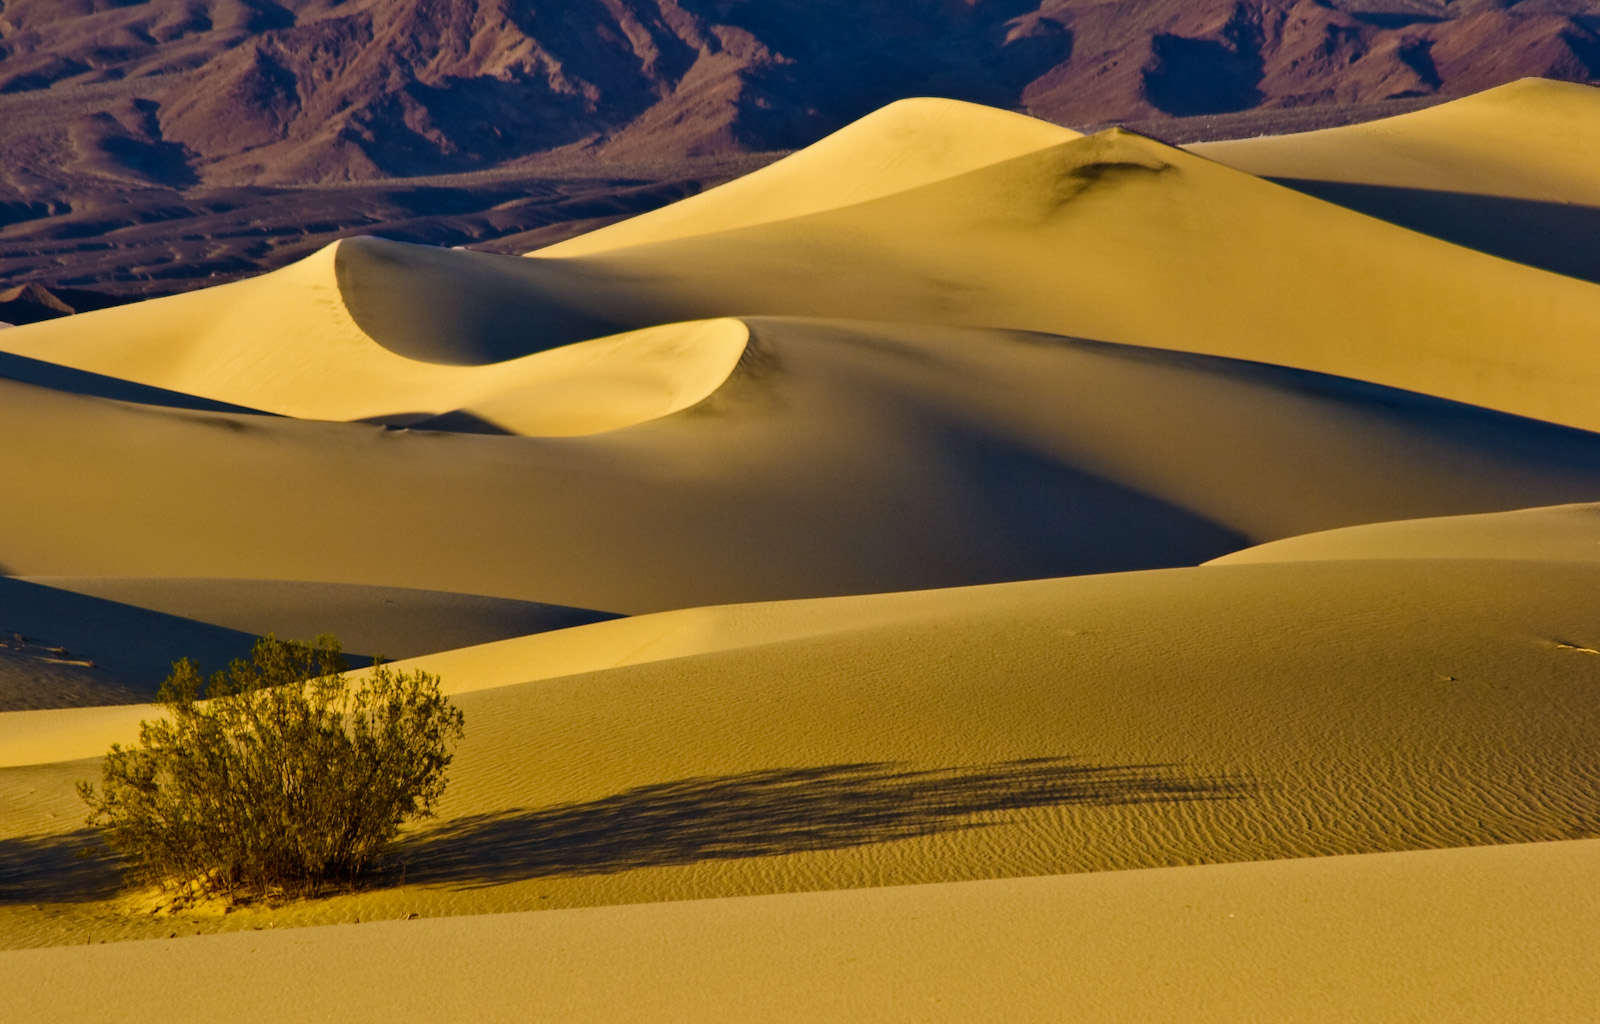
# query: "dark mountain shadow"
(1559, 237)
(1417, 54)
(152, 160)
(1394, 19)
(826, 71)
(775, 812)
(1584, 41)
(48, 869)
(1187, 77)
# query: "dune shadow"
(48, 869)
(1558, 237)
(775, 812)
(67, 379)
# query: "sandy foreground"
(1485, 934)
(965, 570)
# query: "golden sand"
(1533, 139)
(1467, 935)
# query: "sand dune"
(1329, 707)
(1120, 238)
(1114, 237)
(1508, 171)
(296, 342)
(1391, 937)
(1567, 533)
(1534, 139)
(906, 144)
(839, 458)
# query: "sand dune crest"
(1565, 533)
(1534, 139)
(297, 343)
(906, 144)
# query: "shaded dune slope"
(83, 641)
(838, 458)
(389, 622)
(1119, 238)
(61, 649)
(81, 382)
(1509, 171)
(1534, 139)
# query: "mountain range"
(123, 114)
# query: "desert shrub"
(280, 775)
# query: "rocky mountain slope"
(261, 91)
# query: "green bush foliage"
(282, 775)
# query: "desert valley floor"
(966, 570)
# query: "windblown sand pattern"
(1135, 561)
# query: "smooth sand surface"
(906, 144)
(1487, 934)
(1534, 139)
(1568, 533)
(838, 458)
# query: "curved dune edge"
(284, 343)
(214, 341)
(1115, 237)
(1569, 533)
(838, 458)
(1381, 937)
(606, 384)
(908, 143)
(1532, 139)
(1120, 238)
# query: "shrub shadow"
(48, 869)
(768, 813)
